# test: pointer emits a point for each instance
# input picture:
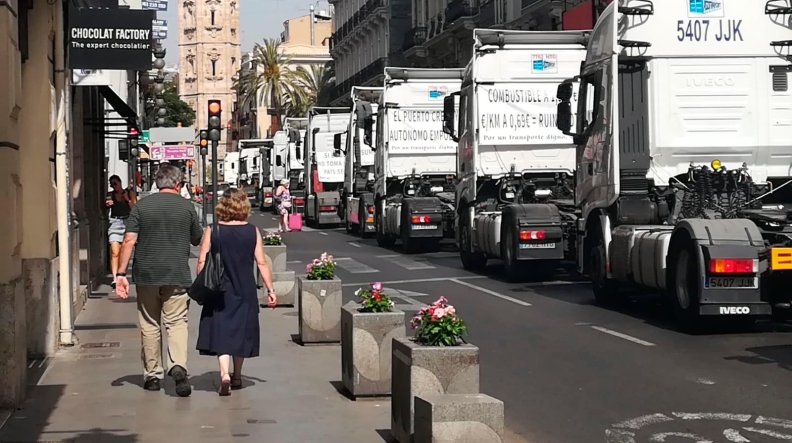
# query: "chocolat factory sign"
(113, 39)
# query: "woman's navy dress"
(229, 324)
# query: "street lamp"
(321, 16)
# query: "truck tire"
(684, 284)
(471, 261)
(513, 267)
(606, 291)
(362, 220)
(383, 240)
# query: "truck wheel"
(347, 224)
(606, 291)
(684, 284)
(514, 269)
(362, 221)
(383, 240)
(471, 261)
(409, 245)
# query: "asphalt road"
(570, 371)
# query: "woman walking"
(229, 327)
(284, 204)
(120, 202)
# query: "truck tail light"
(327, 208)
(532, 235)
(267, 194)
(418, 219)
(370, 209)
(734, 266)
(299, 201)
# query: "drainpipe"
(62, 87)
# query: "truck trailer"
(514, 196)
(324, 167)
(415, 160)
(357, 197)
(684, 146)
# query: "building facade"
(209, 56)
(367, 37)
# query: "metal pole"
(215, 192)
(312, 25)
(205, 203)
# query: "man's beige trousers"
(157, 305)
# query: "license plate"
(731, 283)
(437, 189)
(423, 227)
(537, 245)
(267, 200)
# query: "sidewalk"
(92, 392)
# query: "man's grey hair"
(169, 177)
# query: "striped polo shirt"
(166, 225)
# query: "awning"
(118, 104)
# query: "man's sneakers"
(183, 388)
(152, 384)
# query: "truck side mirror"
(449, 114)
(368, 133)
(564, 118)
(279, 161)
(337, 145)
(564, 91)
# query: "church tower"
(209, 56)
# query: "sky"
(259, 19)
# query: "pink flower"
(317, 261)
(438, 314)
(376, 286)
(440, 302)
(377, 296)
(450, 310)
(324, 256)
(308, 268)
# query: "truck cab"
(514, 195)
(415, 161)
(684, 144)
(254, 162)
(293, 159)
(324, 167)
(357, 197)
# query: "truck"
(516, 170)
(683, 157)
(357, 197)
(415, 160)
(231, 168)
(295, 130)
(255, 164)
(324, 167)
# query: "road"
(570, 371)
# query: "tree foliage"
(177, 110)
(312, 87)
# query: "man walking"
(163, 225)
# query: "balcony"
(458, 9)
(486, 15)
(416, 37)
(357, 19)
(369, 73)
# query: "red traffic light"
(214, 106)
(133, 131)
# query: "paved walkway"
(92, 392)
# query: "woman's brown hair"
(233, 206)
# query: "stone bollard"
(458, 418)
(285, 287)
(276, 257)
(366, 340)
(319, 307)
(427, 370)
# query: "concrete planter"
(285, 286)
(366, 341)
(319, 303)
(419, 370)
(276, 257)
(458, 418)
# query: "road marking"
(644, 420)
(773, 434)
(294, 261)
(417, 280)
(407, 262)
(624, 336)
(733, 435)
(774, 422)
(324, 233)
(354, 266)
(711, 416)
(493, 293)
(354, 244)
(661, 437)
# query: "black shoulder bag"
(209, 282)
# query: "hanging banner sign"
(172, 152)
(112, 39)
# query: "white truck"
(415, 161)
(231, 168)
(685, 145)
(324, 167)
(293, 160)
(254, 163)
(357, 197)
(514, 194)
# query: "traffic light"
(133, 142)
(214, 120)
(204, 141)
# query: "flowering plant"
(273, 239)
(322, 268)
(438, 325)
(374, 300)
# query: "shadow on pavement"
(339, 387)
(101, 436)
(780, 355)
(386, 436)
(29, 421)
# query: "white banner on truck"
(418, 131)
(366, 153)
(520, 114)
(331, 168)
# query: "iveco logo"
(731, 310)
(710, 81)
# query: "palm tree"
(270, 77)
(311, 88)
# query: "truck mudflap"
(725, 264)
(422, 217)
(537, 231)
